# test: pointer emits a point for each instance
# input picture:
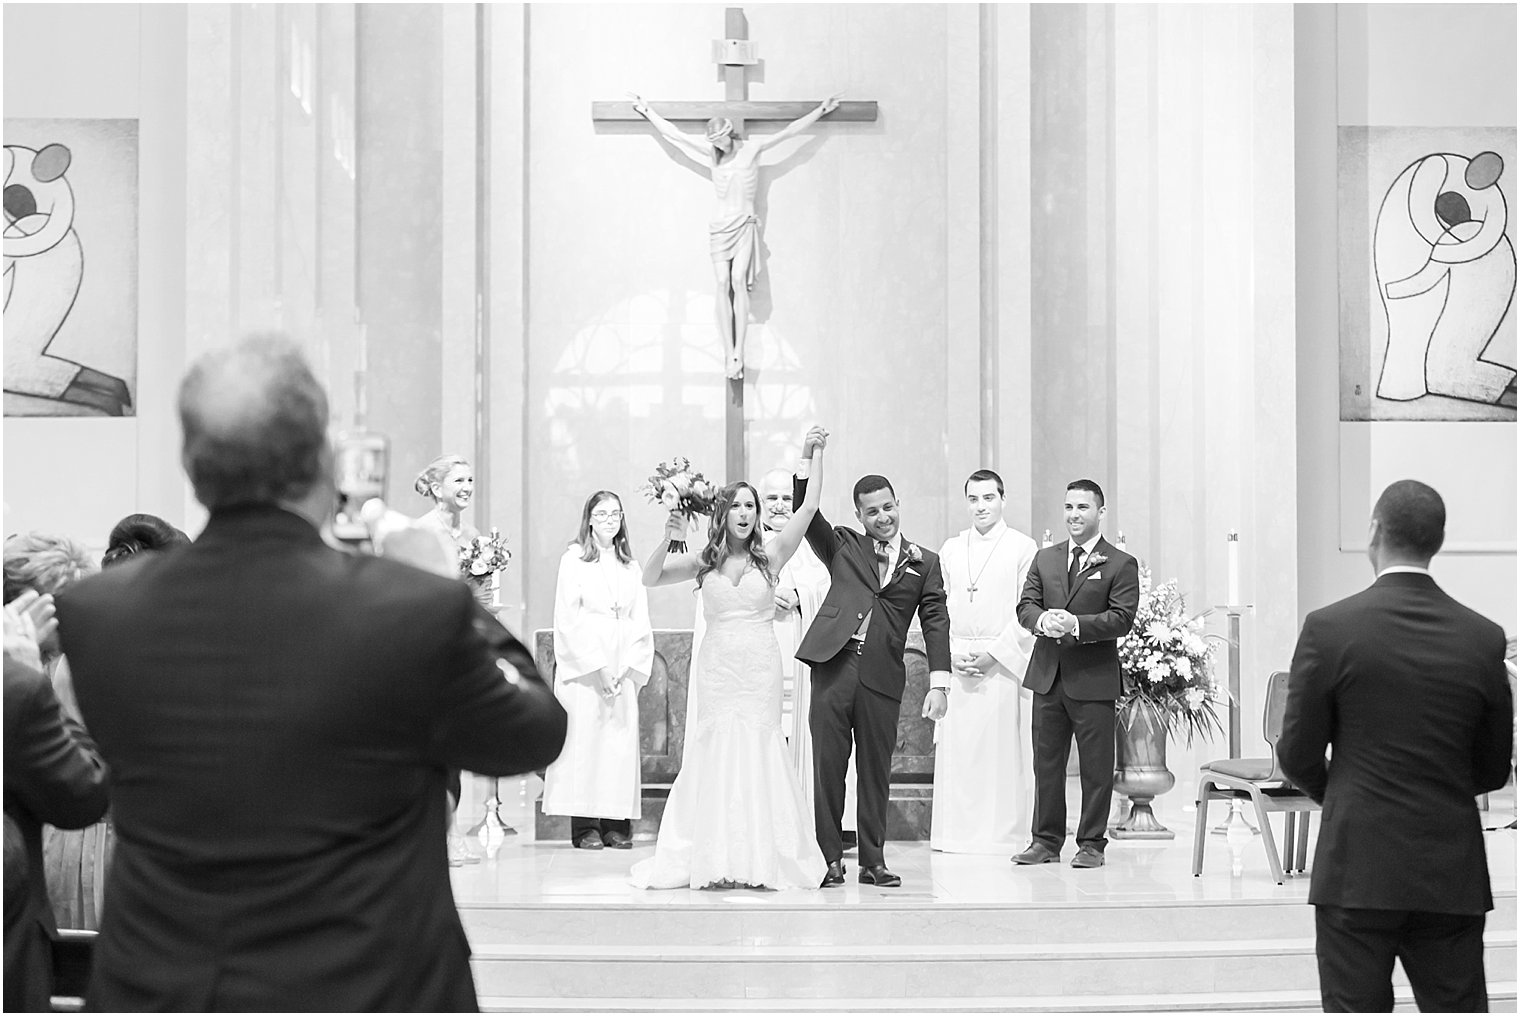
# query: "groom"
(855, 649)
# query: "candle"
(1232, 543)
(1045, 540)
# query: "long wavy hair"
(620, 545)
(713, 555)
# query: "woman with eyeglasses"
(603, 655)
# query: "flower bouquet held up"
(675, 486)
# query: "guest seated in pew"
(281, 716)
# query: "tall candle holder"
(492, 829)
(1237, 819)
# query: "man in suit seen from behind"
(280, 716)
(1407, 688)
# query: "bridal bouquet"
(484, 556)
(675, 486)
(1168, 662)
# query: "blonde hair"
(436, 471)
(44, 562)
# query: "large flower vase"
(1140, 770)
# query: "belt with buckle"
(856, 646)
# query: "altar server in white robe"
(983, 758)
(803, 584)
(604, 654)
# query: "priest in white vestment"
(604, 654)
(983, 758)
(803, 584)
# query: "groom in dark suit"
(855, 649)
(1081, 596)
(1409, 687)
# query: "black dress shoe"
(877, 874)
(617, 841)
(1088, 857)
(589, 840)
(834, 876)
(1036, 853)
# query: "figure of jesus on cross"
(734, 229)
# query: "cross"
(735, 54)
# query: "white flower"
(669, 497)
(1157, 631)
(1195, 697)
(479, 567)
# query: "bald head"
(255, 424)
(776, 499)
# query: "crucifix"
(733, 162)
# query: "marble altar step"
(716, 974)
(900, 921)
(1501, 996)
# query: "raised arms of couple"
(663, 568)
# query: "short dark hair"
(141, 533)
(1412, 517)
(255, 423)
(870, 484)
(981, 475)
(1091, 486)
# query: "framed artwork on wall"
(71, 260)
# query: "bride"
(736, 816)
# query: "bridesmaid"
(450, 482)
(604, 654)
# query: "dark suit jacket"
(1104, 599)
(854, 589)
(279, 717)
(1409, 687)
(53, 774)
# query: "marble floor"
(517, 871)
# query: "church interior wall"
(907, 260)
(1371, 65)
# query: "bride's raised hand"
(676, 525)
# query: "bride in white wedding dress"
(736, 816)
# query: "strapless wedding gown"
(736, 813)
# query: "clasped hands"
(816, 438)
(1056, 623)
(609, 684)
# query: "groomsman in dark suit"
(1409, 688)
(1080, 598)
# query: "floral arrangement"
(484, 556)
(1168, 662)
(675, 486)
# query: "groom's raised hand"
(816, 438)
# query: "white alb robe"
(984, 758)
(601, 619)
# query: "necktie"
(883, 559)
(1076, 566)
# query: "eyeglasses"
(604, 516)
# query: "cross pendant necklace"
(971, 582)
(617, 608)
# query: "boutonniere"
(1097, 560)
(912, 553)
